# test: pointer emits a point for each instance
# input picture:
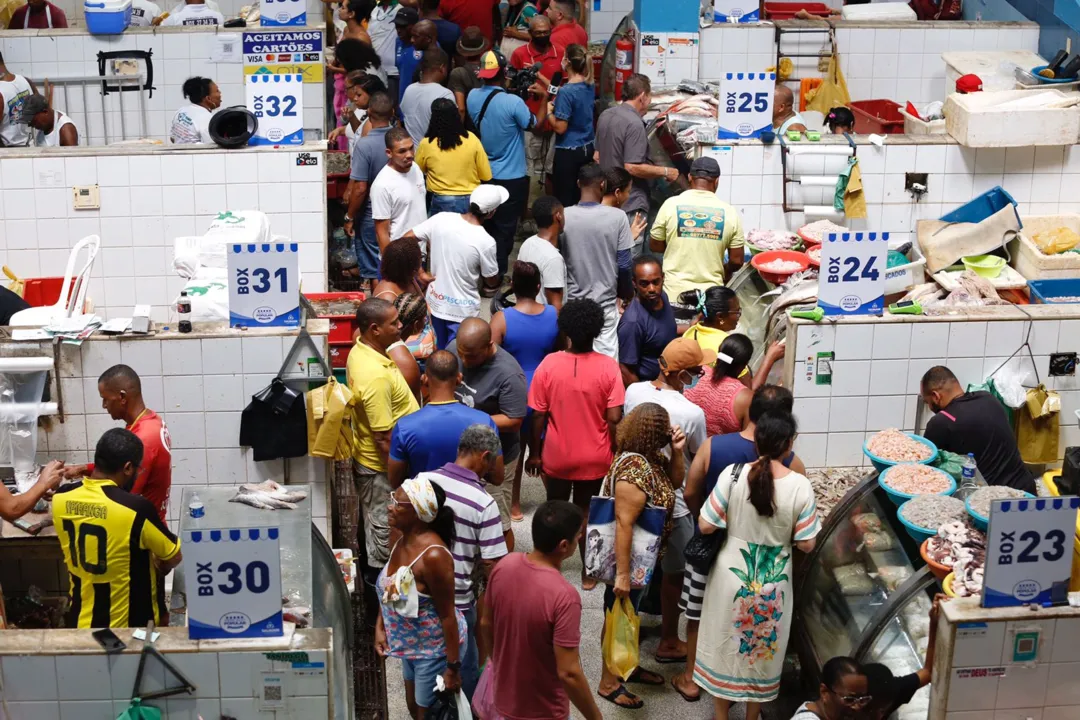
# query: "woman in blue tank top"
(528, 331)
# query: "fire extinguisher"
(624, 64)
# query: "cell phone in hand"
(108, 641)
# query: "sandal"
(588, 583)
(687, 698)
(639, 676)
(669, 659)
(621, 691)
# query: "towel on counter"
(850, 198)
(944, 243)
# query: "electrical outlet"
(915, 183)
(87, 197)
(1062, 364)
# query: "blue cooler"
(107, 17)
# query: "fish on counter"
(268, 495)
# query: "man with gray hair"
(477, 529)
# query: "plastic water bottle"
(195, 507)
(183, 309)
(968, 484)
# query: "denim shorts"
(422, 673)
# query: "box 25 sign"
(746, 104)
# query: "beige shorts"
(537, 162)
(501, 493)
(374, 491)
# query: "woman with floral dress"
(746, 617)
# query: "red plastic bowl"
(774, 277)
(813, 262)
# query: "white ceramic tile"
(189, 467)
(977, 693)
(34, 710)
(885, 412)
(847, 414)
(959, 160)
(29, 678)
(187, 430)
(122, 669)
(1018, 185)
(967, 339)
(308, 706)
(177, 169)
(262, 354)
(891, 341)
(83, 677)
(113, 171)
(181, 357)
(97, 357)
(968, 371)
(1061, 713)
(1019, 714)
(888, 377)
(222, 355)
(977, 715)
(917, 367)
(850, 378)
(185, 708)
(1063, 684)
(1022, 686)
(1003, 338)
(144, 356)
(69, 435)
(812, 414)
(974, 644)
(845, 450)
(94, 710)
(1044, 337)
(854, 342)
(238, 673)
(222, 429)
(1066, 641)
(930, 340)
(183, 393)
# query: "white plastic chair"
(72, 292)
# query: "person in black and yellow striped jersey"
(116, 548)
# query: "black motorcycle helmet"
(233, 126)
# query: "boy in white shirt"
(398, 195)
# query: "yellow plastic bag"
(831, 93)
(16, 285)
(1058, 240)
(621, 628)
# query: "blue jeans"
(445, 331)
(448, 203)
(470, 658)
(367, 248)
(422, 673)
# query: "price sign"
(1029, 549)
(264, 285)
(284, 52)
(852, 276)
(233, 583)
(746, 101)
(735, 11)
(278, 13)
(277, 102)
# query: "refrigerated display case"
(865, 592)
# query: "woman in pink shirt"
(577, 394)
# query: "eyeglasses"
(852, 700)
(396, 501)
(736, 313)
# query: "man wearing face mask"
(539, 149)
(680, 368)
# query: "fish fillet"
(262, 501)
(274, 490)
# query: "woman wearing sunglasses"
(419, 623)
(843, 695)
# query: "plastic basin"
(899, 498)
(755, 250)
(983, 523)
(1047, 290)
(918, 533)
(987, 266)
(881, 464)
(937, 569)
(982, 207)
(768, 256)
(1050, 81)
(881, 117)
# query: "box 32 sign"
(852, 276)
(1029, 551)
(746, 101)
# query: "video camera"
(521, 80)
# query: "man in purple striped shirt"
(477, 527)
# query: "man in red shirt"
(539, 149)
(484, 14)
(533, 637)
(566, 30)
(38, 15)
(121, 396)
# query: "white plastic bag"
(463, 709)
(1009, 381)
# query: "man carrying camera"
(539, 147)
(501, 119)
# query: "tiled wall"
(178, 53)
(229, 8)
(603, 21)
(147, 201)
(200, 387)
(878, 367)
(1044, 690)
(878, 62)
(668, 58)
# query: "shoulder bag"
(700, 553)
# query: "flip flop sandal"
(618, 692)
(669, 659)
(637, 677)
(687, 698)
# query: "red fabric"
(718, 402)
(155, 476)
(550, 63)
(931, 10)
(569, 34)
(38, 21)
(527, 626)
(465, 13)
(576, 390)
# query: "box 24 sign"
(746, 101)
(233, 583)
(1029, 551)
(852, 276)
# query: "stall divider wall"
(229, 8)
(879, 363)
(178, 53)
(149, 197)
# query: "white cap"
(488, 197)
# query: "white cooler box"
(1011, 118)
(1031, 262)
(107, 17)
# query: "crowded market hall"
(539, 359)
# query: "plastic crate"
(788, 10)
(42, 292)
(982, 207)
(342, 327)
(1043, 292)
(339, 354)
(336, 183)
(881, 117)
(1031, 262)
(915, 126)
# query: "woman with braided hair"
(641, 474)
(415, 343)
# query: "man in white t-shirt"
(462, 252)
(383, 33)
(680, 367)
(143, 13)
(542, 249)
(194, 13)
(398, 195)
(14, 90)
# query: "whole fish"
(276, 491)
(262, 501)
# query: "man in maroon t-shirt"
(484, 14)
(38, 15)
(536, 634)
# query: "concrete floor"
(659, 702)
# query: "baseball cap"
(705, 167)
(472, 41)
(685, 353)
(968, 84)
(491, 63)
(31, 106)
(406, 16)
(488, 197)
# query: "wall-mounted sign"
(852, 275)
(746, 101)
(264, 285)
(277, 13)
(277, 101)
(284, 52)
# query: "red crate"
(788, 10)
(881, 117)
(42, 292)
(339, 354)
(342, 327)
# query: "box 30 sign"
(1029, 551)
(852, 276)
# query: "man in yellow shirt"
(382, 398)
(693, 230)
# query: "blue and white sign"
(264, 285)
(852, 276)
(233, 583)
(277, 102)
(278, 13)
(746, 101)
(1029, 551)
(735, 11)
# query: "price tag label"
(277, 102)
(233, 583)
(746, 101)
(1029, 551)
(279, 13)
(264, 285)
(852, 276)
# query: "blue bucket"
(881, 464)
(983, 523)
(982, 207)
(900, 498)
(918, 534)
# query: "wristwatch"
(348, 219)
(455, 666)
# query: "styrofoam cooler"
(107, 17)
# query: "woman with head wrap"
(419, 623)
